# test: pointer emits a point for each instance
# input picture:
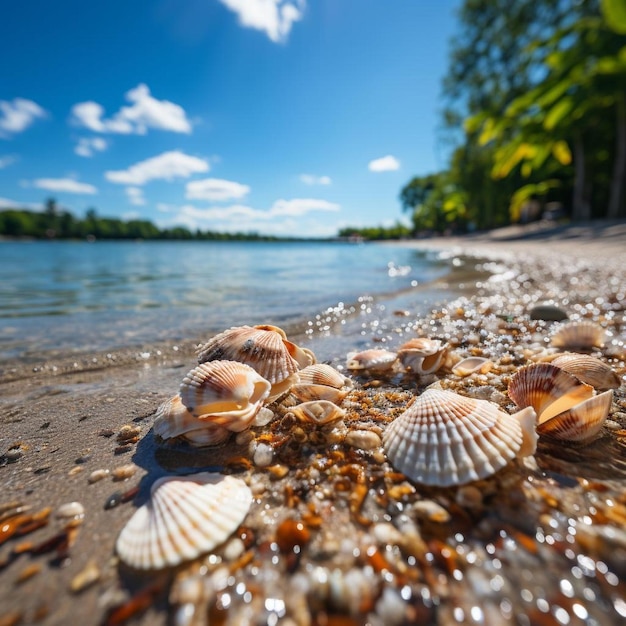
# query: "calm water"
(76, 296)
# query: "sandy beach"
(63, 420)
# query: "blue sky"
(287, 117)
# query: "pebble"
(97, 475)
(233, 549)
(430, 510)
(363, 439)
(89, 575)
(124, 471)
(548, 313)
(71, 510)
(263, 455)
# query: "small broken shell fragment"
(588, 369)
(472, 365)
(319, 412)
(373, 360)
(71, 510)
(445, 439)
(185, 517)
(581, 335)
(422, 355)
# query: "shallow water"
(77, 296)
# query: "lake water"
(79, 296)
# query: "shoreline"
(62, 425)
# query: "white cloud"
(216, 190)
(7, 160)
(310, 179)
(135, 195)
(274, 17)
(387, 163)
(143, 113)
(86, 146)
(300, 206)
(66, 185)
(166, 166)
(18, 115)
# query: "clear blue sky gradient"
(346, 83)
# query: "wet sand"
(61, 420)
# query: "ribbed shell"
(185, 517)
(579, 335)
(422, 355)
(548, 389)
(223, 386)
(262, 348)
(173, 419)
(319, 412)
(582, 422)
(305, 392)
(373, 359)
(446, 439)
(323, 374)
(589, 370)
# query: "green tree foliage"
(56, 223)
(536, 102)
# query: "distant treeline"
(54, 223)
(376, 233)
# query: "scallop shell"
(422, 355)
(446, 439)
(221, 387)
(580, 335)
(318, 412)
(323, 374)
(588, 369)
(472, 365)
(373, 359)
(261, 347)
(173, 419)
(582, 422)
(185, 517)
(548, 389)
(305, 392)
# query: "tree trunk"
(580, 206)
(616, 204)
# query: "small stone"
(548, 313)
(97, 475)
(263, 455)
(430, 510)
(89, 575)
(234, 549)
(363, 439)
(71, 510)
(124, 471)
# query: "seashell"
(446, 439)
(173, 419)
(548, 389)
(323, 374)
(185, 517)
(588, 369)
(472, 365)
(579, 336)
(264, 348)
(422, 355)
(224, 387)
(305, 392)
(373, 359)
(319, 412)
(582, 422)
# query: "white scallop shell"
(446, 439)
(223, 387)
(548, 389)
(422, 355)
(579, 335)
(185, 517)
(373, 359)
